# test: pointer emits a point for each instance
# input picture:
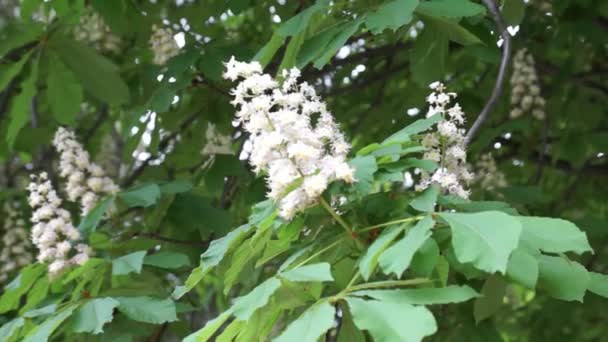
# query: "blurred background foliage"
(149, 122)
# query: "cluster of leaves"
(388, 264)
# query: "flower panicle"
(293, 138)
(446, 146)
(86, 181)
(53, 232)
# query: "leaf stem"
(389, 223)
(328, 247)
(388, 283)
(337, 217)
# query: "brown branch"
(502, 71)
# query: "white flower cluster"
(446, 145)
(93, 30)
(53, 232)
(525, 91)
(16, 247)
(487, 174)
(163, 44)
(86, 181)
(300, 156)
(216, 143)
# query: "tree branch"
(502, 71)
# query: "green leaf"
(397, 258)
(365, 167)
(20, 286)
(64, 92)
(421, 125)
(267, 52)
(128, 263)
(16, 36)
(19, 112)
(391, 15)
(425, 259)
(93, 315)
(291, 53)
(212, 257)
(429, 56)
(336, 42)
(314, 272)
(369, 260)
(492, 293)
(485, 239)
(9, 71)
(44, 331)
(450, 8)
(206, 332)
(299, 22)
(148, 309)
(176, 187)
(562, 278)
(598, 284)
(315, 46)
(168, 260)
(97, 74)
(426, 201)
(246, 305)
(141, 196)
(523, 268)
(390, 321)
(513, 11)
(89, 223)
(454, 31)
(425, 296)
(313, 323)
(43, 311)
(553, 235)
(10, 328)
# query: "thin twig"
(502, 71)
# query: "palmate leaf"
(10, 328)
(485, 239)
(553, 235)
(369, 260)
(492, 292)
(93, 315)
(423, 296)
(128, 263)
(390, 321)
(64, 91)
(426, 201)
(598, 284)
(397, 258)
(523, 268)
(212, 257)
(148, 309)
(391, 15)
(450, 8)
(19, 286)
(246, 305)
(44, 331)
(141, 196)
(313, 323)
(19, 112)
(207, 331)
(563, 279)
(313, 272)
